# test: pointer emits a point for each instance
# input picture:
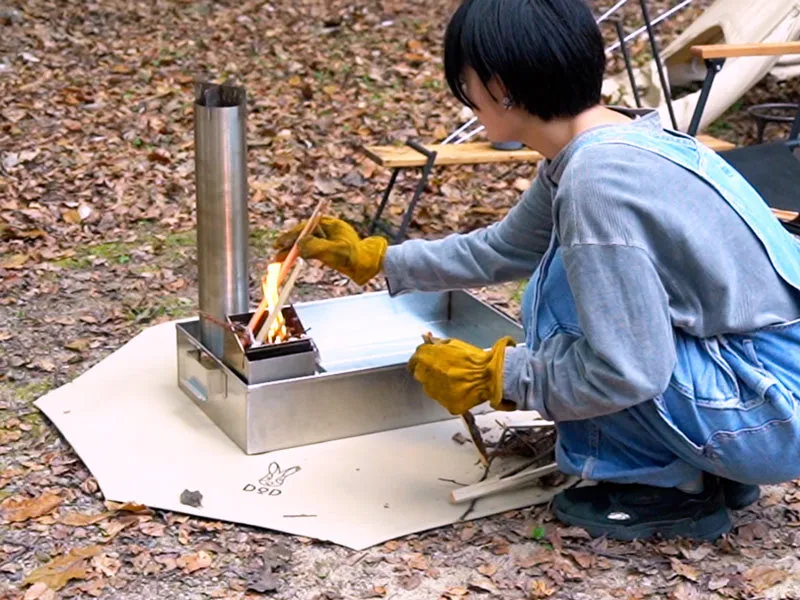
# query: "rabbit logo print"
(270, 484)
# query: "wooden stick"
(475, 434)
(284, 295)
(529, 424)
(499, 484)
(290, 259)
(309, 228)
(263, 306)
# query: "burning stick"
(311, 225)
(289, 261)
(278, 308)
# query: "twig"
(475, 434)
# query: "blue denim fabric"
(731, 406)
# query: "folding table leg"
(399, 235)
(386, 193)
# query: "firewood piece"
(311, 225)
(284, 295)
(531, 423)
(499, 484)
(290, 259)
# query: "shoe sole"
(708, 528)
(745, 501)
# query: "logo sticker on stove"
(271, 483)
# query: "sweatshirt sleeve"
(507, 250)
(611, 233)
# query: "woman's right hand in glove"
(337, 245)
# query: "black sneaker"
(627, 512)
(739, 495)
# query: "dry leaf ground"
(96, 243)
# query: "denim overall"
(731, 407)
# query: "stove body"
(346, 374)
(354, 382)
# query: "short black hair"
(548, 53)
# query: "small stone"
(10, 16)
(191, 498)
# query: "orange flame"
(269, 286)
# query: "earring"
(507, 103)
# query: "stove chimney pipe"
(220, 127)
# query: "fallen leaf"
(697, 554)
(500, 547)
(6, 437)
(419, 562)
(685, 570)
(106, 565)
(194, 562)
(763, 577)
(39, 591)
(113, 528)
(265, 583)
(160, 155)
(410, 582)
(59, 571)
(326, 186)
(541, 589)
(752, 531)
(577, 533)
(141, 560)
(584, 559)
(13, 261)
(128, 507)
(72, 216)
(717, 583)
(521, 184)
(456, 592)
(479, 583)
(183, 534)
(43, 364)
(379, 591)
(194, 499)
(684, 591)
(152, 528)
(169, 562)
(15, 511)
(5, 336)
(487, 570)
(539, 557)
(93, 587)
(79, 345)
(82, 519)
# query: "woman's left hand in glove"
(461, 376)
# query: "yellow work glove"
(337, 245)
(460, 376)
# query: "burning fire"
(269, 286)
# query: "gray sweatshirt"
(647, 247)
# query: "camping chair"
(772, 168)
